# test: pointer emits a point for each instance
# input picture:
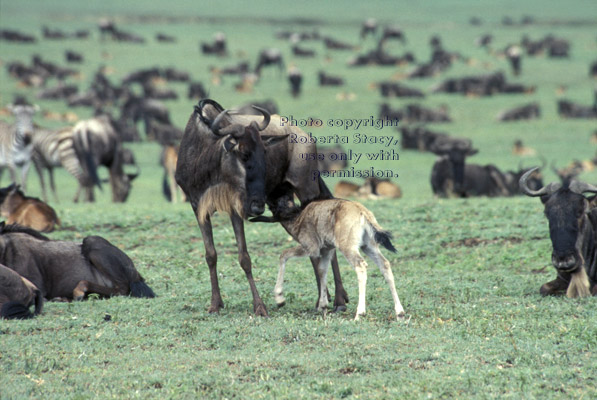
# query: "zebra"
(15, 142)
(51, 149)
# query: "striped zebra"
(52, 149)
(15, 142)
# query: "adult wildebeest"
(222, 166)
(569, 109)
(324, 225)
(269, 57)
(96, 143)
(572, 221)
(67, 269)
(15, 142)
(395, 89)
(329, 80)
(27, 211)
(419, 137)
(17, 295)
(295, 77)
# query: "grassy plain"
(467, 271)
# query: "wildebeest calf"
(17, 294)
(27, 211)
(324, 225)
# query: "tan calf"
(26, 211)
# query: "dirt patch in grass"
(474, 242)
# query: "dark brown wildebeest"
(223, 166)
(334, 44)
(17, 295)
(572, 221)
(218, 47)
(96, 143)
(62, 269)
(302, 52)
(419, 137)
(269, 57)
(295, 77)
(329, 80)
(395, 89)
(27, 211)
(569, 109)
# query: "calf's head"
(565, 210)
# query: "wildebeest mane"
(16, 228)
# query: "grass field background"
(467, 271)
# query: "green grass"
(467, 272)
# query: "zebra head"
(24, 120)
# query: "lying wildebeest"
(419, 137)
(62, 269)
(395, 89)
(27, 211)
(321, 227)
(222, 166)
(344, 189)
(375, 188)
(218, 47)
(447, 174)
(269, 57)
(17, 295)
(527, 111)
(572, 221)
(568, 109)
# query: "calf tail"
(383, 238)
(140, 289)
(15, 310)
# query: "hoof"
(261, 311)
(401, 316)
(281, 304)
(340, 308)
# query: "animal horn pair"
(575, 186)
(215, 126)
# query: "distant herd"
(241, 163)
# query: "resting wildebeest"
(222, 166)
(269, 57)
(572, 221)
(27, 211)
(419, 137)
(527, 111)
(63, 269)
(17, 295)
(324, 225)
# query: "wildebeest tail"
(383, 238)
(85, 156)
(140, 289)
(15, 310)
(324, 191)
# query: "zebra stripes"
(15, 142)
(53, 149)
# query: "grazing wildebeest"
(369, 27)
(329, 80)
(62, 269)
(218, 47)
(96, 143)
(527, 111)
(17, 295)
(222, 165)
(27, 211)
(15, 142)
(321, 227)
(572, 221)
(269, 57)
(514, 53)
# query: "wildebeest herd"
(241, 163)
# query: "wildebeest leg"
(386, 269)
(322, 270)
(298, 251)
(85, 287)
(556, 287)
(211, 257)
(340, 297)
(245, 262)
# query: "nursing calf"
(321, 227)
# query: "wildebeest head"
(455, 150)
(565, 209)
(243, 159)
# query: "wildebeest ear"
(229, 143)
(270, 140)
(472, 152)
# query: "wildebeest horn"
(266, 117)
(215, 125)
(582, 187)
(545, 190)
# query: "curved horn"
(582, 187)
(266, 117)
(215, 125)
(545, 190)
